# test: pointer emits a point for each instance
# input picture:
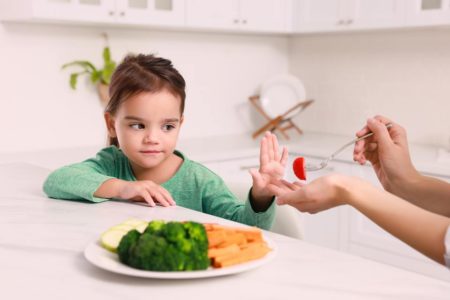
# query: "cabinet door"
(212, 14)
(428, 12)
(97, 11)
(369, 240)
(327, 228)
(152, 12)
(263, 15)
(317, 15)
(368, 14)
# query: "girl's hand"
(145, 191)
(272, 166)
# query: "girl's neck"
(160, 173)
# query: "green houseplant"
(100, 77)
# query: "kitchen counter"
(42, 244)
(230, 147)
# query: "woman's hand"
(271, 169)
(388, 152)
(321, 194)
(139, 191)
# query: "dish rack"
(282, 122)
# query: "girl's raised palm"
(272, 166)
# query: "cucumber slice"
(133, 222)
(141, 227)
(124, 227)
(111, 238)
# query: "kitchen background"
(403, 74)
(401, 70)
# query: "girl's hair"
(143, 73)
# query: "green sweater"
(193, 186)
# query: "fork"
(324, 163)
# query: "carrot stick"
(214, 252)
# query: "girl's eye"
(168, 127)
(137, 126)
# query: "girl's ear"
(181, 119)
(109, 119)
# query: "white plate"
(107, 260)
(280, 93)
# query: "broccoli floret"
(125, 243)
(155, 227)
(171, 246)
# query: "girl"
(143, 119)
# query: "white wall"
(404, 75)
(39, 111)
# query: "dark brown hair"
(143, 73)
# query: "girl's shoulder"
(194, 168)
(110, 152)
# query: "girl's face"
(147, 126)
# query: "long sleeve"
(80, 181)
(219, 201)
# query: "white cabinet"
(428, 12)
(151, 12)
(340, 15)
(135, 12)
(242, 15)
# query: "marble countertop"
(42, 244)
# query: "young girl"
(143, 118)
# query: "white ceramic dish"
(280, 93)
(107, 260)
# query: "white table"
(42, 242)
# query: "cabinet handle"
(111, 13)
(341, 22)
(122, 13)
(235, 21)
(244, 21)
(349, 22)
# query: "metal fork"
(324, 163)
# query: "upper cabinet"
(428, 12)
(254, 16)
(240, 15)
(338, 15)
(138, 12)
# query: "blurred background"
(392, 61)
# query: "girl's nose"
(151, 137)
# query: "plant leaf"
(95, 76)
(73, 80)
(86, 65)
(106, 55)
(107, 72)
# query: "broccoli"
(172, 246)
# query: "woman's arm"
(419, 228)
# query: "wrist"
(260, 201)
(348, 189)
(406, 185)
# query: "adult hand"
(387, 150)
(321, 194)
